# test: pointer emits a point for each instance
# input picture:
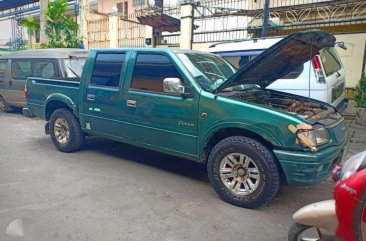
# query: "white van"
(323, 78)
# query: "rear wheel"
(4, 106)
(243, 172)
(65, 131)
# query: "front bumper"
(307, 168)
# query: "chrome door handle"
(90, 97)
(131, 103)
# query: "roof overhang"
(162, 22)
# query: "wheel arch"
(225, 132)
(58, 101)
(221, 133)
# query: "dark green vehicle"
(195, 105)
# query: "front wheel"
(243, 172)
(301, 232)
(65, 131)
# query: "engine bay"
(295, 105)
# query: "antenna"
(310, 66)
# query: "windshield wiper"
(77, 76)
(72, 57)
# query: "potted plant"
(360, 98)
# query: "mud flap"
(47, 128)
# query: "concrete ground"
(112, 191)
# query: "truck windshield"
(74, 66)
(209, 70)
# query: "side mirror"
(174, 86)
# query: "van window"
(45, 69)
(74, 66)
(151, 70)
(330, 60)
(2, 69)
(21, 69)
(239, 61)
(107, 69)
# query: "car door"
(20, 70)
(100, 106)
(3, 64)
(155, 118)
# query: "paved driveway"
(112, 191)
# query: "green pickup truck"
(195, 105)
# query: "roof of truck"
(44, 53)
(148, 50)
(250, 44)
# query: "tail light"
(26, 95)
(319, 75)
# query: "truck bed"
(40, 91)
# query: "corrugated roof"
(10, 4)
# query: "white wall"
(353, 57)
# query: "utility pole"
(43, 21)
(83, 23)
(265, 18)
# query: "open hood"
(281, 58)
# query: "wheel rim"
(61, 131)
(312, 234)
(239, 173)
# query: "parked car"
(322, 78)
(187, 103)
(17, 66)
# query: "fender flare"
(60, 98)
(265, 133)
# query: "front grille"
(340, 131)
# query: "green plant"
(60, 29)
(360, 95)
(32, 25)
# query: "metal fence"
(227, 20)
(98, 31)
(130, 32)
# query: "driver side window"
(150, 71)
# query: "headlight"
(353, 165)
(319, 135)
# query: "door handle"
(131, 103)
(90, 97)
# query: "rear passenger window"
(21, 69)
(151, 70)
(107, 69)
(45, 69)
(2, 69)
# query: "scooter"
(341, 219)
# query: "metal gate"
(98, 31)
(130, 32)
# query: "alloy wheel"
(61, 130)
(239, 173)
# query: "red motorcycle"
(343, 218)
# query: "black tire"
(76, 136)
(295, 230)
(4, 106)
(266, 164)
